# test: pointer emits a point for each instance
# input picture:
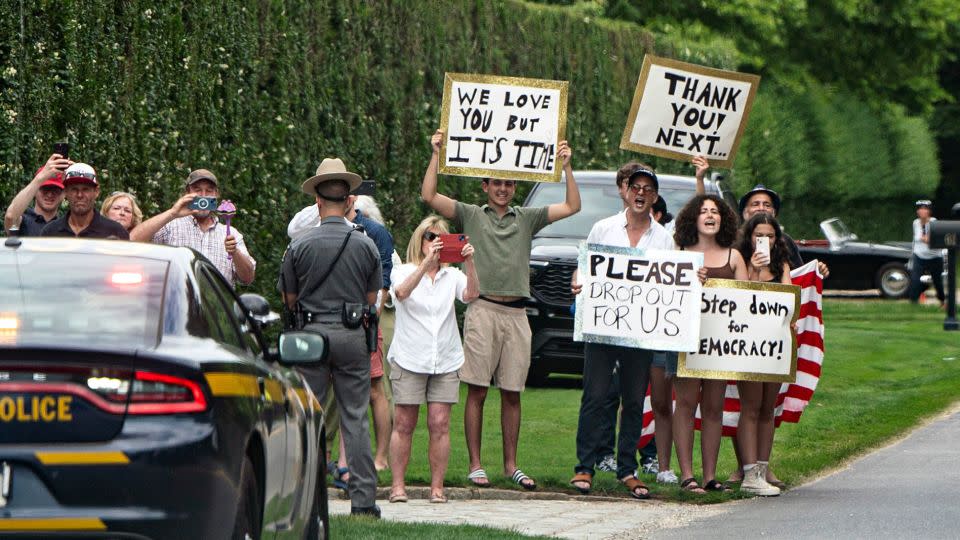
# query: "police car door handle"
(261, 384)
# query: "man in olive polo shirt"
(496, 335)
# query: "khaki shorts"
(496, 346)
(411, 388)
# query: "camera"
(204, 203)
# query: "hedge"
(260, 91)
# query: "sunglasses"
(430, 236)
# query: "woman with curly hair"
(706, 224)
(758, 399)
(122, 207)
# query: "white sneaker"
(651, 466)
(754, 482)
(607, 464)
(667, 477)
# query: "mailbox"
(944, 234)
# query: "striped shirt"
(186, 232)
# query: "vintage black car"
(856, 265)
(553, 258)
(139, 400)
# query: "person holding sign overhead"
(761, 243)
(496, 336)
(705, 224)
(634, 227)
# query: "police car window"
(239, 314)
(218, 316)
(80, 299)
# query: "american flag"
(794, 397)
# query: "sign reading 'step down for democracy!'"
(681, 110)
(746, 332)
(638, 298)
(502, 127)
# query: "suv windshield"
(80, 299)
(598, 202)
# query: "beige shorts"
(496, 346)
(410, 388)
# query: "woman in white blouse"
(426, 351)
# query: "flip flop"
(713, 485)
(398, 497)
(691, 485)
(476, 476)
(634, 485)
(584, 478)
(438, 499)
(519, 478)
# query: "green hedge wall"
(260, 91)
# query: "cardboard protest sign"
(681, 110)
(502, 127)
(746, 332)
(638, 298)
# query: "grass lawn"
(888, 366)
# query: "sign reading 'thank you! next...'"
(746, 332)
(502, 127)
(681, 110)
(638, 298)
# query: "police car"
(139, 400)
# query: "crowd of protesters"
(342, 236)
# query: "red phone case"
(452, 246)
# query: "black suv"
(553, 258)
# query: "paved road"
(907, 490)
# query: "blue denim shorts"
(666, 360)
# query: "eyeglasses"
(430, 236)
(637, 188)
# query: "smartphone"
(204, 203)
(763, 246)
(452, 246)
(62, 148)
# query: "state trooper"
(329, 278)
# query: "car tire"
(246, 524)
(319, 528)
(893, 280)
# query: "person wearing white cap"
(924, 260)
(82, 220)
(201, 230)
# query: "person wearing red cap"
(82, 220)
(46, 190)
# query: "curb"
(485, 494)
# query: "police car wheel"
(246, 524)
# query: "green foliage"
(260, 92)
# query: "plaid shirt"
(186, 232)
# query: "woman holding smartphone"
(708, 225)
(762, 244)
(426, 351)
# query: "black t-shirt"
(793, 252)
(100, 227)
(31, 224)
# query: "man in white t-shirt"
(925, 260)
(633, 227)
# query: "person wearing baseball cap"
(201, 229)
(82, 219)
(46, 190)
(924, 260)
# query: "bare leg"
(751, 394)
(438, 422)
(473, 423)
(400, 440)
(342, 459)
(688, 395)
(510, 425)
(661, 398)
(765, 426)
(711, 426)
(381, 422)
